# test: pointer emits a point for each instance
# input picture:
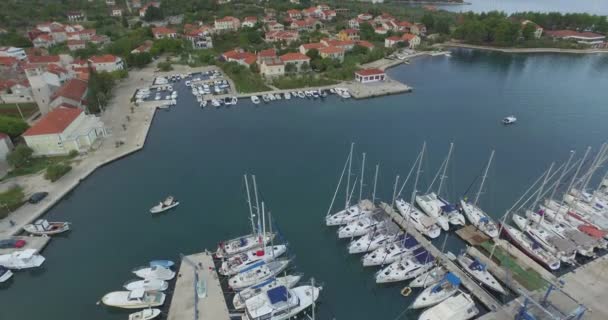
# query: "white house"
(227, 24)
(17, 53)
(62, 130)
(106, 62)
(370, 75)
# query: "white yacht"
(241, 297)
(203, 103)
(479, 272)
(146, 285)
(257, 273)
(287, 95)
(459, 307)
(349, 214)
(145, 314)
(281, 303)
(136, 299)
(255, 99)
(216, 103)
(154, 272)
(479, 219)
(23, 259)
(238, 262)
(433, 295)
(165, 205)
(429, 278)
(374, 240)
(509, 120)
(301, 95)
(561, 248)
(360, 227)
(432, 206)
(390, 253)
(43, 227)
(265, 98)
(407, 268)
(423, 223)
(241, 244)
(277, 96)
(531, 248)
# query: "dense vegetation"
(57, 170)
(101, 85)
(10, 200)
(244, 79)
(12, 126)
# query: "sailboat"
(564, 249)
(433, 295)
(257, 273)
(531, 248)
(406, 268)
(429, 278)
(281, 303)
(459, 307)
(423, 223)
(241, 297)
(362, 226)
(238, 262)
(373, 240)
(479, 271)
(476, 215)
(390, 253)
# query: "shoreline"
(521, 50)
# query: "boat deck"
(186, 304)
(486, 298)
(31, 242)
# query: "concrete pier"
(198, 294)
(31, 242)
(488, 300)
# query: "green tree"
(165, 66)
(442, 25)
(99, 90)
(506, 33)
(428, 20)
(139, 60)
(56, 171)
(124, 22)
(15, 40)
(313, 54)
(290, 68)
(528, 31)
(254, 68)
(153, 14)
(20, 157)
(305, 67)
(12, 126)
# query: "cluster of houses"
(75, 36)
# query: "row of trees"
(493, 27)
(573, 21)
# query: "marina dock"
(31, 242)
(484, 297)
(198, 294)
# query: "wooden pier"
(488, 300)
(198, 294)
(31, 242)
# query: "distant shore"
(522, 50)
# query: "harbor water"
(599, 7)
(296, 149)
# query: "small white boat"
(407, 268)
(509, 120)
(216, 103)
(146, 285)
(315, 94)
(241, 244)
(271, 97)
(154, 272)
(308, 94)
(281, 303)
(479, 219)
(241, 297)
(5, 274)
(145, 314)
(429, 278)
(287, 95)
(42, 226)
(459, 307)
(277, 96)
(390, 253)
(301, 95)
(479, 271)
(433, 295)
(165, 205)
(255, 99)
(349, 214)
(265, 98)
(133, 299)
(257, 273)
(236, 263)
(23, 259)
(203, 104)
(423, 223)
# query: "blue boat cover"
(409, 241)
(448, 208)
(453, 279)
(484, 220)
(264, 283)
(476, 265)
(243, 242)
(423, 256)
(253, 266)
(163, 263)
(278, 294)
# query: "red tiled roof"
(267, 53)
(250, 18)
(76, 42)
(293, 12)
(43, 59)
(106, 58)
(226, 19)
(294, 56)
(240, 55)
(406, 24)
(53, 68)
(350, 31)
(408, 36)
(369, 72)
(162, 30)
(572, 33)
(54, 122)
(8, 61)
(45, 37)
(330, 50)
(73, 89)
(364, 43)
(316, 45)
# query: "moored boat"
(257, 273)
(154, 272)
(163, 263)
(165, 205)
(281, 303)
(406, 268)
(44, 227)
(480, 272)
(146, 285)
(255, 99)
(459, 307)
(133, 299)
(145, 314)
(236, 263)
(423, 223)
(350, 214)
(392, 252)
(531, 248)
(241, 297)
(23, 259)
(429, 278)
(241, 244)
(433, 295)
(5, 274)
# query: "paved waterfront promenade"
(521, 50)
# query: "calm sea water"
(297, 148)
(510, 6)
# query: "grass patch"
(244, 80)
(36, 165)
(528, 278)
(10, 200)
(10, 109)
(294, 82)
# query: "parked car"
(11, 243)
(37, 197)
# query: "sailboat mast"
(271, 234)
(395, 191)
(542, 187)
(593, 167)
(483, 179)
(333, 199)
(350, 164)
(263, 226)
(562, 174)
(251, 215)
(257, 203)
(578, 169)
(375, 182)
(447, 161)
(361, 180)
(413, 199)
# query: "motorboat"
(44, 227)
(255, 99)
(349, 214)
(242, 244)
(154, 272)
(281, 303)
(458, 307)
(429, 278)
(323, 93)
(287, 95)
(203, 104)
(480, 272)
(277, 96)
(227, 101)
(163, 263)
(145, 314)
(374, 240)
(433, 207)
(301, 95)
(257, 273)
(332, 91)
(563, 249)
(437, 293)
(165, 205)
(265, 98)
(423, 223)
(22, 259)
(345, 94)
(509, 120)
(360, 227)
(5, 274)
(308, 94)
(392, 252)
(216, 103)
(146, 285)
(271, 97)
(407, 268)
(241, 297)
(236, 263)
(136, 299)
(479, 219)
(315, 94)
(531, 248)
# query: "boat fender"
(406, 291)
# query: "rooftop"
(331, 50)
(73, 89)
(294, 56)
(369, 72)
(54, 122)
(106, 58)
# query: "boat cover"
(253, 266)
(243, 242)
(484, 220)
(422, 255)
(409, 241)
(476, 265)
(278, 294)
(453, 279)
(592, 231)
(448, 208)
(257, 286)
(580, 238)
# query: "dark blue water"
(297, 149)
(510, 6)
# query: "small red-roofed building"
(392, 41)
(227, 23)
(267, 53)
(164, 33)
(240, 56)
(295, 58)
(593, 40)
(249, 21)
(348, 34)
(412, 40)
(304, 48)
(365, 44)
(294, 14)
(43, 41)
(74, 45)
(370, 75)
(145, 47)
(15, 91)
(106, 62)
(287, 36)
(144, 9)
(272, 67)
(332, 53)
(73, 92)
(418, 29)
(275, 26)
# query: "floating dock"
(486, 298)
(198, 294)
(31, 242)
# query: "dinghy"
(44, 227)
(255, 99)
(433, 295)
(241, 297)
(23, 259)
(165, 205)
(459, 307)
(281, 303)
(390, 253)
(146, 285)
(257, 273)
(133, 299)
(154, 272)
(429, 278)
(236, 263)
(406, 268)
(145, 314)
(479, 271)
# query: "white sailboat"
(154, 272)
(476, 215)
(281, 303)
(241, 297)
(406, 268)
(361, 226)
(429, 278)
(374, 240)
(390, 253)
(479, 271)
(561, 248)
(23, 259)
(423, 223)
(349, 214)
(136, 299)
(459, 307)
(531, 248)
(433, 295)
(257, 273)
(146, 285)
(238, 262)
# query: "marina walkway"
(198, 294)
(31, 242)
(488, 300)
